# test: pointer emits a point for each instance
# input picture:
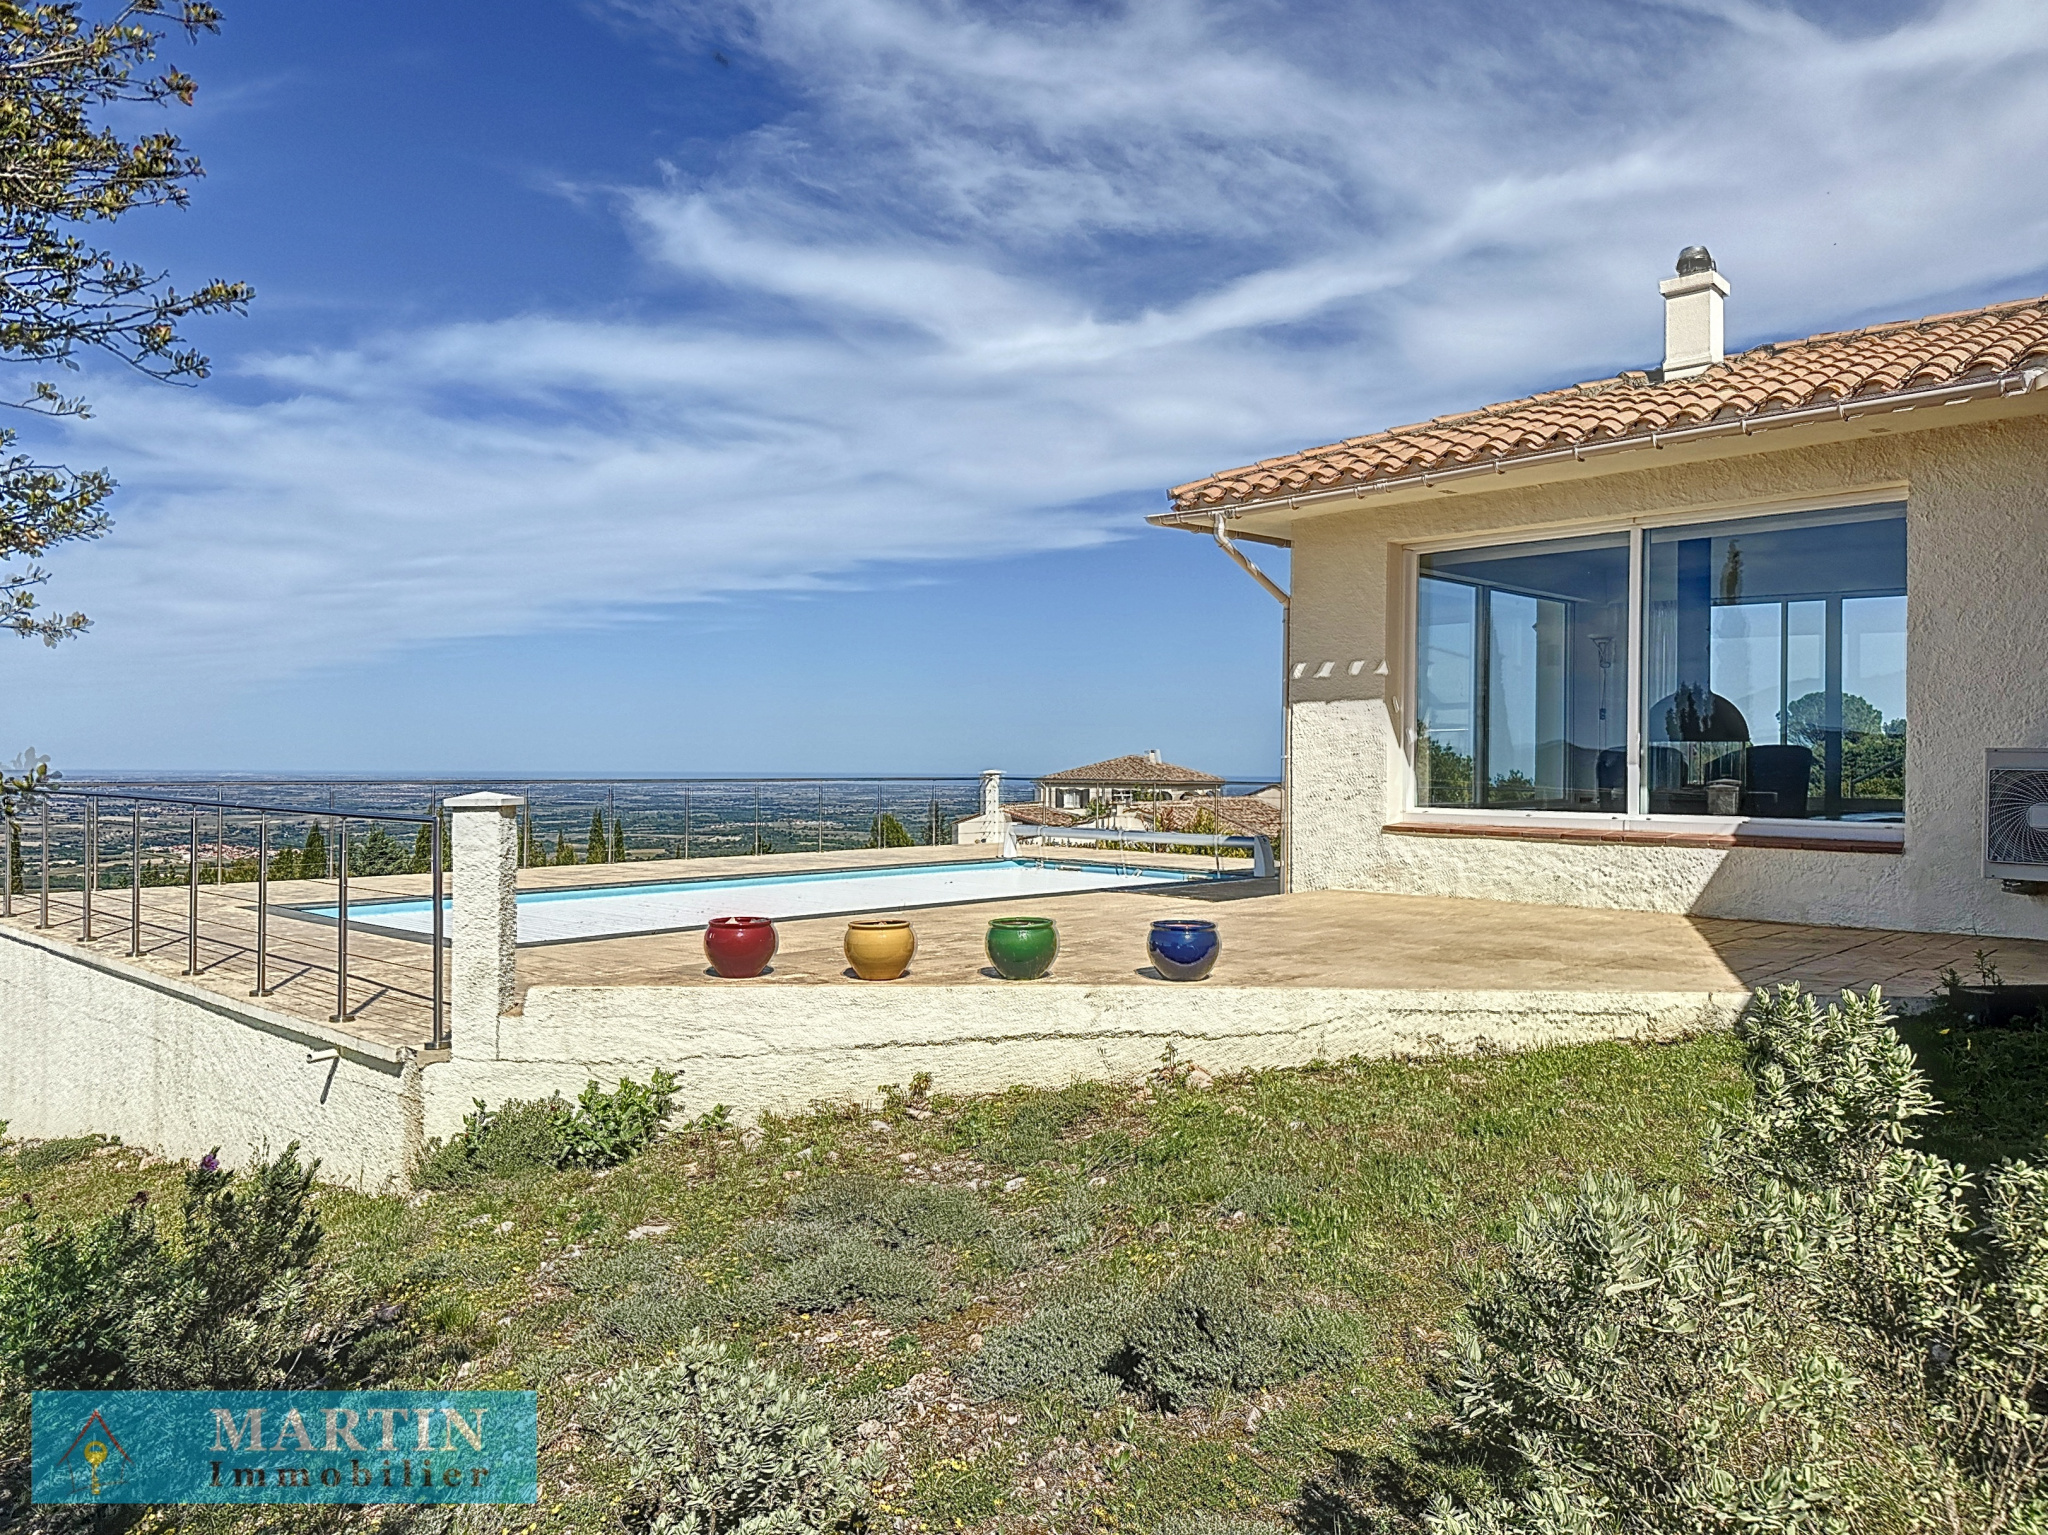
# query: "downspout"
(1223, 542)
(1274, 590)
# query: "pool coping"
(364, 924)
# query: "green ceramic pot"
(1022, 948)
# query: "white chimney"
(1152, 755)
(1692, 314)
(991, 791)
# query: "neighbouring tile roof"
(1837, 366)
(1233, 814)
(1041, 815)
(1134, 769)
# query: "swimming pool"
(562, 916)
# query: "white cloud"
(997, 280)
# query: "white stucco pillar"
(484, 935)
(991, 791)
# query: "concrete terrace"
(1313, 939)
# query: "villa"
(1120, 780)
(1603, 709)
(1654, 641)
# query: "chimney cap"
(1695, 259)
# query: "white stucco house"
(1757, 635)
(1120, 780)
(1098, 791)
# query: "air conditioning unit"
(2016, 815)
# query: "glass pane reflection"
(1522, 666)
(1774, 655)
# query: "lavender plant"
(1626, 1372)
(718, 1446)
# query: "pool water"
(560, 916)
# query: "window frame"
(1636, 817)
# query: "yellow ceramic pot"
(879, 948)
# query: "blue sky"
(780, 386)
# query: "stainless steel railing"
(194, 813)
(650, 819)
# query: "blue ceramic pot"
(1184, 948)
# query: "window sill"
(1782, 836)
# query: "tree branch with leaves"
(61, 175)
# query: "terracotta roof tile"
(1134, 769)
(1232, 814)
(1835, 366)
(1025, 813)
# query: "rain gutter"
(2000, 386)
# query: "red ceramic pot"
(739, 947)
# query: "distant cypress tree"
(378, 852)
(886, 831)
(313, 856)
(423, 850)
(618, 840)
(284, 864)
(594, 849)
(564, 854)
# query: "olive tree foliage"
(1858, 1336)
(20, 781)
(63, 175)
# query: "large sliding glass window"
(1773, 669)
(1522, 675)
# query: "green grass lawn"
(885, 1255)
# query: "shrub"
(1204, 1331)
(69, 1304)
(1836, 1090)
(1200, 1332)
(656, 1317)
(606, 1129)
(898, 1287)
(116, 1307)
(519, 1138)
(1619, 1362)
(645, 1295)
(526, 1136)
(890, 1213)
(611, 1272)
(714, 1446)
(1625, 1372)
(1070, 1344)
(853, 1239)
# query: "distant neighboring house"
(1121, 780)
(988, 826)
